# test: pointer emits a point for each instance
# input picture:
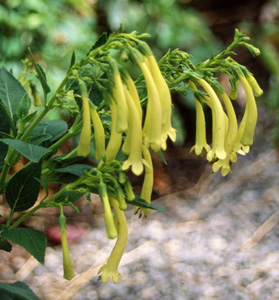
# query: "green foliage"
(16, 291)
(34, 241)
(23, 188)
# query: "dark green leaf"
(70, 196)
(23, 188)
(16, 291)
(77, 169)
(60, 162)
(23, 107)
(142, 203)
(40, 73)
(55, 128)
(34, 241)
(30, 151)
(37, 140)
(5, 245)
(73, 60)
(100, 42)
(6, 121)
(29, 117)
(11, 92)
(5, 126)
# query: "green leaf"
(23, 188)
(77, 169)
(23, 107)
(100, 42)
(161, 154)
(40, 73)
(30, 151)
(37, 140)
(142, 203)
(55, 128)
(5, 245)
(70, 196)
(73, 60)
(60, 162)
(6, 122)
(11, 92)
(34, 241)
(16, 291)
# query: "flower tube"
(85, 135)
(134, 160)
(99, 134)
(118, 93)
(218, 141)
(115, 140)
(153, 120)
(110, 269)
(201, 145)
(164, 93)
(67, 261)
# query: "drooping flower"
(201, 145)
(110, 226)
(164, 93)
(153, 121)
(135, 160)
(68, 267)
(99, 134)
(118, 93)
(115, 139)
(110, 269)
(85, 135)
(218, 121)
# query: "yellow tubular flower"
(110, 269)
(231, 136)
(99, 134)
(153, 120)
(67, 261)
(201, 143)
(115, 140)
(85, 135)
(218, 141)
(254, 84)
(134, 160)
(134, 92)
(118, 93)
(251, 112)
(147, 186)
(110, 226)
(165, 98)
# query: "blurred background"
(54, 28)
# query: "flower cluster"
(228, 138)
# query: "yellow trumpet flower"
(153, 120)
(201, 145)
(134, 160)
(110, 269)
(251, 113)
(85, 135)
(218, 147)
(118, 93)
(99, 134)
(165, 98)
(115, 140)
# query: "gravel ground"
(216, 240)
